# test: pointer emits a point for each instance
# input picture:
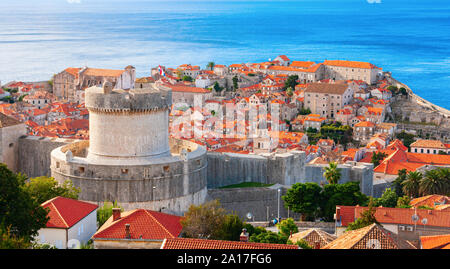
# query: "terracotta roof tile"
(350, 64)
(370, 237)
(190, 243)
(145, 224)
(65, 212)
(435, 242)
(422, 143)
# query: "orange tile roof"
(365, 124)
(435, 241)
(191, 243)
(422, 143)
(65, 212)
(350, 64)
(430, 200)
(437, 218)
(355, 239)
(302, 64)
(144, 224)
(73, 71)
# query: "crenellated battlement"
(108, 100)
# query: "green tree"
(412, 183)
(211, 221)
(45, 188)
(340, 194)
(291, 82)
(388, 199)
(436, 181)
(290, 91)
(10, 241)
(217, 87)
(305, 111)
(231, 228)
(397, 183)
(406, 138)
(187, 78)
(377, 157)
(393, 89)
(303, 198)
(287, 227)
(235, 82)
(332, 173)
(269, 237)
(19, 210)
(303, 244)
(21, 97)
(403, 202)
(367, 218)
(210, 65)
(105, 212)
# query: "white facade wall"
(59, 237)
(428, 150)
(52, 236)
(84, 229)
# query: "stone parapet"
(135, 100)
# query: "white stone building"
(71, 223)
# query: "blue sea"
(410, 38)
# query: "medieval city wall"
(9, 145)
(262, 203)
(34, 154)
(231, 168)
(351, 171)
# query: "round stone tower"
(127, 127)
(129, 157)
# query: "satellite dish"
(415, 217)
(73, 244)
(249, 215)
(424, 221)
(373, 244)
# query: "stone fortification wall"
(171, 183)
(351, 171)
(230, 168)
(34, 154)
(261, 202)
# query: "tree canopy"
(332, 174)
(340, 194)
(291, 82)
(287, 227)
(19, 210)
(211, 221)
(366, 218)
(46, 188)
(304, 198)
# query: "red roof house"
(71, 222)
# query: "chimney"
(244, 236)
(127, 231)
(317, 244)
(116, 213)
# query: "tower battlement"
(105, 99)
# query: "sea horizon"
(42, 38)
